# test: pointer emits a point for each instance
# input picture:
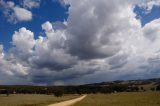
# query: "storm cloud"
(101, 40)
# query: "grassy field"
(122, 99)
(31, 100)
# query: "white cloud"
(51, 51)
(148, 4)
(23, 40)
(152, 30)
(11, 72)
(22, 14)
(47, 26)
(98, 30)
(19, 69)
(31, 3)
(17, 13)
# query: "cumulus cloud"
(51, 51)
(17, 13)
(22, 14)
(47, 26)
(23, 40)
(152, 30)
(100, 38)
(11, 72)
(96, 35)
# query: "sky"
(72, 42)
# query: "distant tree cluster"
(58, 91)
(5, 91)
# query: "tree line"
(60, 90)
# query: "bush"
(152, 89)
(58, 92)
(158, 88)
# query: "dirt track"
(69, 102)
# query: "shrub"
(58, 92)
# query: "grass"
(122, 99)
(31, 100)
(148, 86)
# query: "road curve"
(69, 102)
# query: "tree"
(158, 88)
(152, 89)
(142, 88)
(58, 92)
(7, 92)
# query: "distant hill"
(155, 81)
(147, 84)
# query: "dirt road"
(69, 102)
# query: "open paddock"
(122, 99)
(32, 99)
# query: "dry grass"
(31, 100)
(148, 86)
(122, 99)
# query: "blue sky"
(147, 17)
(60, 42)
